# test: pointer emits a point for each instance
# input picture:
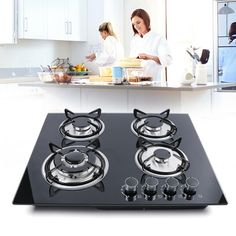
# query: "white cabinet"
(53, 19)
(67, 20)
(32, 19)
(7, 21)
(77, 20)
(57, 25)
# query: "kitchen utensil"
(190, 54)
(205, 56)
(194, 56)
(42, 69)
(49, 68)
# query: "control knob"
(170, 188)
(131, 186)
(191, 185)
(150, 186)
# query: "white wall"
(190, 22)
(114, 13)
(32, 53)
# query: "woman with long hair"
(112, 50)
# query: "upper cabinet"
(32, 19)
(67, 20)
(53, 19)
(8, 22)
(57, 22)
(77, 19)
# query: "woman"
(149, 46)
(112, 49)
(227, 58)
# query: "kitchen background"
(194, 24)
(189, 22)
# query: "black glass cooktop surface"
(107, 173)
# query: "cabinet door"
(57, 21)
(7, 22)
(32, 19)
(77, 20)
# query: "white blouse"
(112, 51)
(153, 44)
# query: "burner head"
(81, 127)
(153, 124)
(161, 160)
(74, 167)
(153, 127)
(162, 155)
(76, 158)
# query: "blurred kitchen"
(38, 36)
(36, 33)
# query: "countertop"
(140, 85)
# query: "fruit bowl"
(77, 73)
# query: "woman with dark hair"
(149, 46)
(227, 58)
(112, 50)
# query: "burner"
(82, 127)
(162, 159)
(153, 127)
(74, 167)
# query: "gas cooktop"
(119, 161)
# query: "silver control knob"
(150, 186)
(171, 186)
(131, 186)
(191, 186)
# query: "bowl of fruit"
(79, 69)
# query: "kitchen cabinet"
(8, 22)
(53, 19)
(32, 19)
(67, 20)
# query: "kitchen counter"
(140, 85)
(124, 98)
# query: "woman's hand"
(145, 56)
(91, 57)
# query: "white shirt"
(112, 51)
(153, 44)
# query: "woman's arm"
(145, 56)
